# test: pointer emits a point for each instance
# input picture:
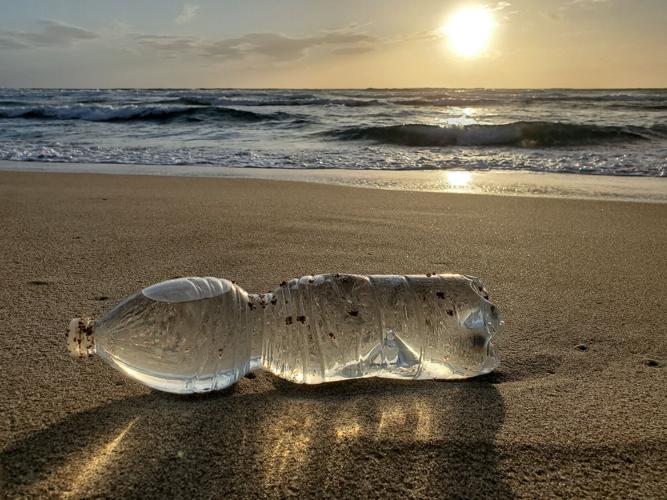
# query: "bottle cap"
(81, 337)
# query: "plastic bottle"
(201, 334)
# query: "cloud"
(501, 6)
(187, 14)
(419, 36)
(168, 43)
(280, 47)
(51, 34)
(9, 41)
(589, 3)
(350, 51)
(571, 8)
(273, 46)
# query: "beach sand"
(577, 408)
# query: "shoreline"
(488, 182)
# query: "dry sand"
(577, 408)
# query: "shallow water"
(612, 132)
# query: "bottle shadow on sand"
(268, 437)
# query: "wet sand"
(578, 407)
(495, 182)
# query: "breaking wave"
(141, 113)
(354, 103)
(519, 134)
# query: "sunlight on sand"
(290, 449)
(412, 419)
(391, 418)
(347, 431)
(99, 460)
(293, 437)
(425, 429)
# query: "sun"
(469, 30)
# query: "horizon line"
(332, 88)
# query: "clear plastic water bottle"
(200, 334)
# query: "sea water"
(612, 132)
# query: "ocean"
(609, 132)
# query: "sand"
(578, 407)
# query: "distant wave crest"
(520, 134)
(140, 113)
(614, 102)
(447, 102)
(262, 101)
(310, 101)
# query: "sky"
(329, 44)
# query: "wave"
(264, 102)
(299, 102)
(481, 99)
(444, 102)
(637, 104)
(640, 106)
(12, 103)
(187, 100)
(519, 134)
(141, 113)
(599, 97)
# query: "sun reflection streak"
(461, 121)
(289, 451)
(347, 431)
(101, 458)
(458, 178)
(394, 422)
(391, 418)
(425, 425)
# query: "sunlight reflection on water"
(458, 178)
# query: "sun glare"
(469, 30)
(458, 178)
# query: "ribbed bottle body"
(334, 327)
